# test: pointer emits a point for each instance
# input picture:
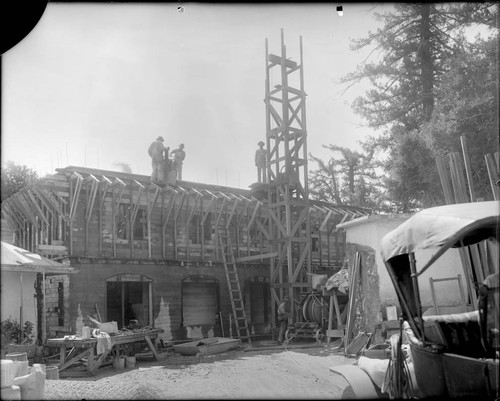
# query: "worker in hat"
(156, 151)
(179, 156)
(260, 162)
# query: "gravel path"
(293, 373)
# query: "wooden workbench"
(84, 350)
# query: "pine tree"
(415, 43)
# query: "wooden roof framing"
(56, 203)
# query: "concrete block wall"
(88, 288)
(52, 304)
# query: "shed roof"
(14, 258)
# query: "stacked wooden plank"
(458, 187)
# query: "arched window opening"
(129, 297)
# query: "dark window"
(315, 244)
(123, 217)
(60, 303)
(195, 228)
(141, 225)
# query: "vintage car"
(452, 355)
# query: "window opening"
(122, 223)
(129, 297)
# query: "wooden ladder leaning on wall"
(233, 283)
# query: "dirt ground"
(298, 371)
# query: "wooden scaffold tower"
(288, 194)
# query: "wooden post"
(468, 168)
(492, 168)
(44, 312)
(330, 316)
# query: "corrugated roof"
(14, 258)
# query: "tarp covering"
(19, 259)
(441, 225)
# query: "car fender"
(361, 383)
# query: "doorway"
(129, 297)
(200, 300)
(258, 303)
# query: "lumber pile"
(458, 187)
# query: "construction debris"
(339, 280)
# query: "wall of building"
(89, 287)
(366, 235)
(57, 305)
(11, 297)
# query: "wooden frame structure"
(76, 212)
(288, 193)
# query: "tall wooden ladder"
(233, 283)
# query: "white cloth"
(103, 342)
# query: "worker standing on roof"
(179, 156)
(156, 151)
(260, 162)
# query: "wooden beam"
(325, 221)
(22, 205)
(75, 194)
(305, 254)
(93, 193)
(176, 216)
(257, 257)
(30, 198)
(444, 177)
(291, 285)
(135, 205)
(231, 213)
(259, 204)
(191, 214)
(105, 183)
(278, 222)
(274, 59)
(263, 229)
(468, 168)
(209, 206)
(457, 178)
(219, 213)
(300, 220)
(493, 175)
(116, 199)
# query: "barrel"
(8, 373)
(130, 361)
(21, 365)
(119, 363)
(52, 372)
(17, 356)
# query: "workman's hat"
(261, 143)
(160, 138)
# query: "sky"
(93, 85)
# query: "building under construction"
(196, 260)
